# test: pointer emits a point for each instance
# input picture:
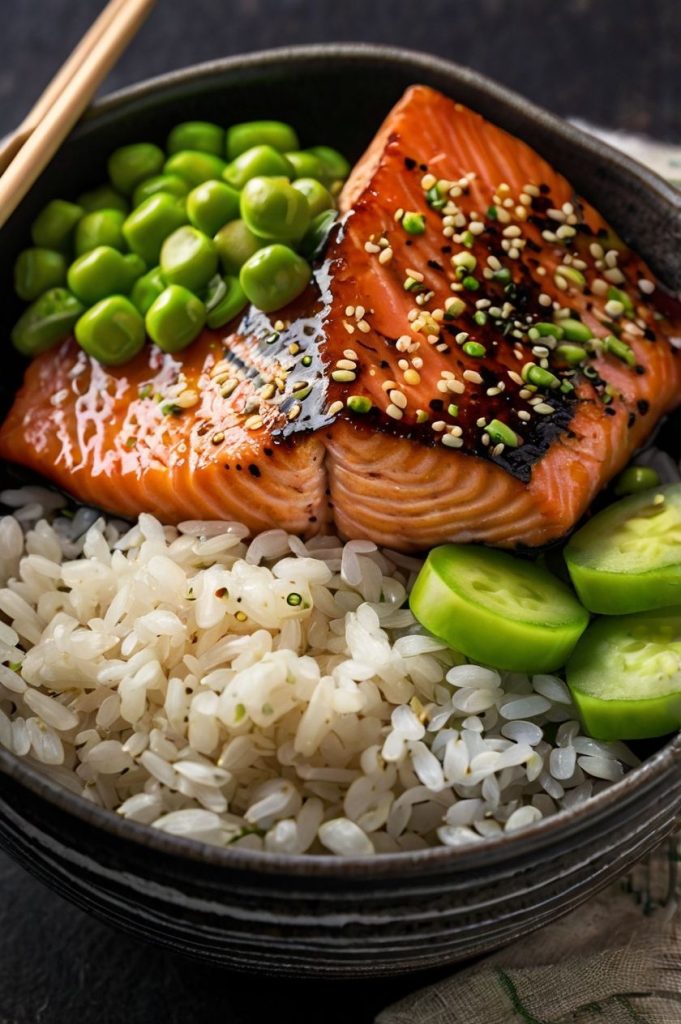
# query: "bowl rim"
(382, 865)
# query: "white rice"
(271, 694)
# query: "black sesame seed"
(409, 163)
(253, 470)
(610, 411)
(631, 419)
(643, 406)
(640, 370)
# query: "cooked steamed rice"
(273, 694)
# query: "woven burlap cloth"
(616, 960)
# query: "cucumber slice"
(628, 557)
(497, 609)
(625, 675)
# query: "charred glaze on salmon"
(477, 356)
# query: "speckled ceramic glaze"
(322, 916)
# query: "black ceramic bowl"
(324, 916)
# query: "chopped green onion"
(294, 600)
(474, 348)
(414, 223)
(500, 433)
(620, 349)
(359, 403)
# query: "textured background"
(612, 62)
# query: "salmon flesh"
(418, 392)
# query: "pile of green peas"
(177, 240)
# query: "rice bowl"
(272, 695)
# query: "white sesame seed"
(403, 364)
(416, 274)
(394, 412)
(441, 386)
(403, 343)
(438, 426)
(611, 258)
(398, 399)
(614, 275)
(451, 441)
(334, 408)
(417, 362)
(473, 376)
(386, 255)
(614, 308)
(412, 377)
(363, 326)
(371, 247)
(596, 250)
(427, 181)
(359, 312)
(544, 299)
(599, 286)
(349, 310)
(388, 385)
(348, 327)
(493, 391)
(565, 231)
(531, 190)
(349, 353)
(498, 449)
(512, 231)
(647, 287)
(556, 215)
(543, 408)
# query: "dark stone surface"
(610, 61)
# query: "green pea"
(315, 238)
(148, 226)
(36, 270)
(101, 227)
(55, 224)
(172, 184)
(103, 198)
(195, 167)
(211, 205)
(130, 165)
(277, 134)
(188, 258)
(47, 321)
(202, 136)
(336, 167)
(147, 289)
(229, 305)
(306, 164)
(112, 331)
(635, 479)
(273, 277)
(318, 197)
(259, 161)
(235, 244)
(102, 271)
(175, 319)
(274, 210)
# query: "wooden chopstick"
(14, 142)
(44, 129)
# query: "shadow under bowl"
(321, 916)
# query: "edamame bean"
(212, 205)
(188, 258)
(274, 210)
(195, 167)
(259, 161)
(232, 301)
(112, 331)
(173, 184)
(130, 165)
(306, 165)
(201, 136)
(235, 244)
(317, 234)
(101, 227)
(175, 318)
(276, 134)
(318, 197)
(47, 321)
(148, 226)
(273, 277)
(102, 271)
(55, 224)
(147, 289)
(37, 270)
(334, 163)
(103, 198)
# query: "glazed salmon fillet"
(477, 356)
